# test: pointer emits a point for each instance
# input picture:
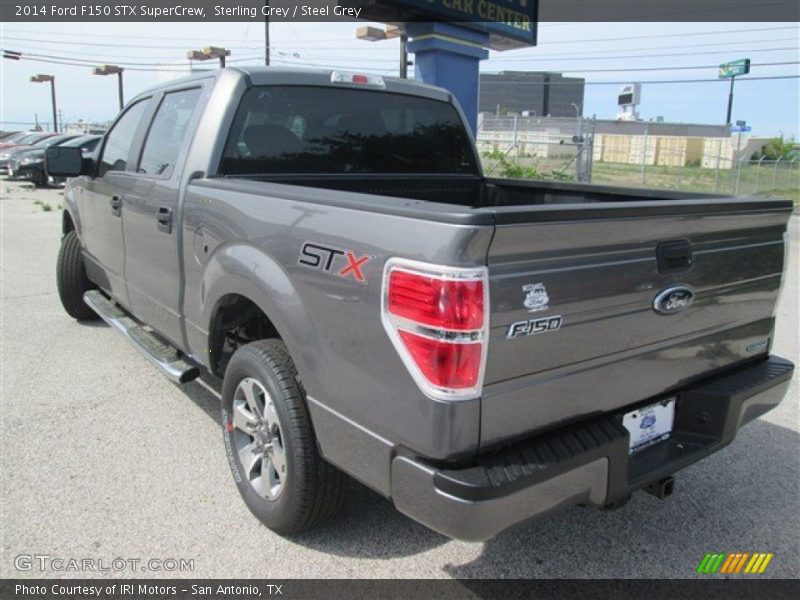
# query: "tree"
(775, 148)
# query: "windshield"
(30, 138)
(83, 141)
(14, 137)
(300, 129)
(52, 141)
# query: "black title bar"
(496, 11)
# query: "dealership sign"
(510, 23)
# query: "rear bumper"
(587, 462)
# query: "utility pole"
(403, 56)
(43, 79)
(373, 34)
(112, 70)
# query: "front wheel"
(270, 443)
(71, 278)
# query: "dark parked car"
(24, 138)
(9, 155)
(30, 164)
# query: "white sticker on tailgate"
(650, 424)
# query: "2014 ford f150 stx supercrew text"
(480, 351)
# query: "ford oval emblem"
(673, 300)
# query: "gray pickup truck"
(480, 351)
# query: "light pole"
(373, 34)
(112, 70)
(209, 53)
(45, 78)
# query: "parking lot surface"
(101, 457)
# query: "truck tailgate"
(597, 269)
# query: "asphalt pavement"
(102, 458)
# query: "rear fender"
(250, 272)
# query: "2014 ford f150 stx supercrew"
(480, 351)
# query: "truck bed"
(595, 250)
(475, 192)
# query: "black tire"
(312, 490)
(72, 280)
(39, 179)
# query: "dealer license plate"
(650, 424)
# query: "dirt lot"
(101, 457)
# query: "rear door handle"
(116, 206)
(164, 219)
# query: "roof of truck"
(262, 75)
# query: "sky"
(600, 52)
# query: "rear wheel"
(39, 179)
(71, 278)
(270, 443)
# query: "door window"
(167, 132)
(119, 140)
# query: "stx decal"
(334, 261)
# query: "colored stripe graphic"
(723, 563)
(766, 562)
(729, 562)
(711, 563)
(701, 568)
(740, 564)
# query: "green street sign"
(734, 68)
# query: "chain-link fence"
(578, 150)
(537, 148)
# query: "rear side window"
(120, 138)
(299, 129)
(167, 132)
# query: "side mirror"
(66, 162)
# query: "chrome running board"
(165, 357)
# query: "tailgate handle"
(674, 256)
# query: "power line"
(653, 81)
(631, 56)
(552, 83)
(667, 35)
(739, 44)
(378, 60)
(576, 41)
(678, 68)
(238, 60)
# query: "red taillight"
(441, 303)
(437, 317)
(362, 79)
(445, 364)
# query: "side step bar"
(163, 356)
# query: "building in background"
(531, 92)
(613, 141)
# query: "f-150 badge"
(536, 297)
